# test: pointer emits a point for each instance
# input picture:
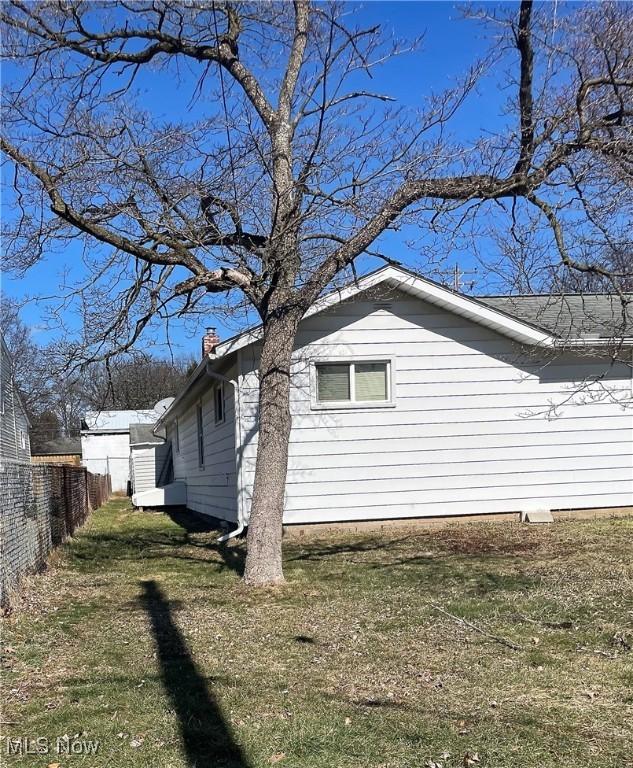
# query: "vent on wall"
(384, 305)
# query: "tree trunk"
(263, 559)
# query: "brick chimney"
(210, 340)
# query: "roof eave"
(588, 342)
(121, 431)
(147, 444)
(428, 291)
(175, 407)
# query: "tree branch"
(62, 209)
(93, 46)
(565, 256)
(460, 188)
(524, 44)
(295, 59)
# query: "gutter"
(145, 445)
(598, 341)
(202, 367)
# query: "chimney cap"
(211, 329)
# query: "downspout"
(238, 442)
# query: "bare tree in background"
(524, 264)
(56, 400)
(136, 382)
(290, 167)
(618, 261)
(53, 398)
(25, 354)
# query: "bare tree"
(54, 399)
(619, 262)
(25, 354)
(135, 382)
(289, 168)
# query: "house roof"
(118, 421)
(570, 315)
(546, 321)
(60, 446)
(539, 320)
(143, 434)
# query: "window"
(200, 435)
(371, 382)
(22, 439)
(358, 382)
(218, 403)
(177, 436)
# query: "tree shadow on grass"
(147, 543)
(206, 738)
(193, 522)
(481, 570)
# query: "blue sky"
(450, 45)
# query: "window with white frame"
(353, 382)
(218, 403)
(200, 423)
(22, 434)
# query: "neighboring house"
(14, 423)
(61, 450)
(105, 441)
(411, 400)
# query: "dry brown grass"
(347, 665)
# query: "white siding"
(105, 447)
(108, 453)
(211, 489)
(473, 428)
(146, 464)
(14, 428)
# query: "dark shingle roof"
(60, 446)
(570, 315)
(142, 433)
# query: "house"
(60, 450)
(105, 441)
(15, 445)
(150, 459)
(411, 400)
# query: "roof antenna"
(456, 281)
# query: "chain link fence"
(40, 507)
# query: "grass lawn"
(141, 636)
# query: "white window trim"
(347, 405)
(177, 435)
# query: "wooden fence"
(57, 458)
